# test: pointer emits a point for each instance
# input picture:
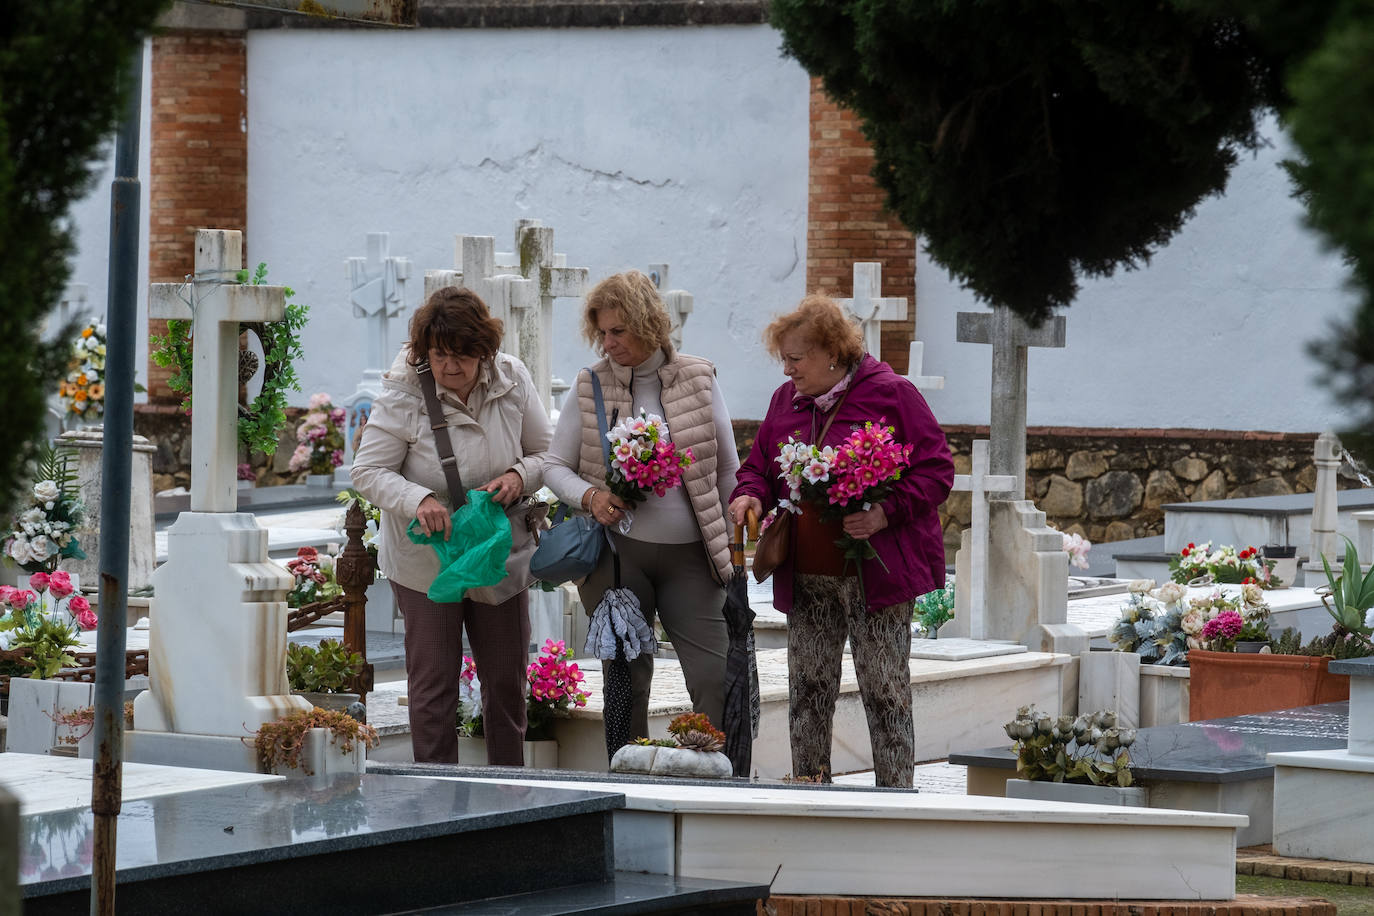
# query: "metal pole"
(116, 479)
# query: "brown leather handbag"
(775, 544)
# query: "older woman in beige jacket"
(675, 556)
(499, 431)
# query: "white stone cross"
(377, 290)
(980, 484)
(1010, 337)
(215, 304)
(914, 366)
(678, 302)
(869, 308)
(509, 296)
(535, 260)
(71, 306)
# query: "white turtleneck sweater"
(666, 519)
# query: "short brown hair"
(456, 320)
(822, 323)
(641, 308)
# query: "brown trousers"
(500, 636)
(826, 610)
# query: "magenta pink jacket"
(912, 545)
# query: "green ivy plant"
(261, 420)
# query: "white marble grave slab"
(754, 833)
(1324, 805)
(45, 783)
(958, 649)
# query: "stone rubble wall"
(169, 430)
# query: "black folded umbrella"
(741, 717)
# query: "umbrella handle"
(737, 542)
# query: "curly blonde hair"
(821, 323)
(641, 309)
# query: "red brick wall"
(199, 155)
(847, 221)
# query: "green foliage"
(1336, 644)
(61, 63)
(328, 668)
(934, 609)
(260, 422)
(1029, 144)
(279, 743)
(1352, 593)
(1086, 749)
(47, 643)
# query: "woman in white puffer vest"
(675, 557)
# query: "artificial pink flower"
(60, 584)
(39, 581)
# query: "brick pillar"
(847, 221)
(199, 155)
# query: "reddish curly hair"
(821, 323)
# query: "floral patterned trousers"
(826, 609)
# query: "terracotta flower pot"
(1224, 684)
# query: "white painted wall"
(639, 145)
(1210, 335)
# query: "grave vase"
(1224, 684)
(1083, 793)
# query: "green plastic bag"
(475, 555)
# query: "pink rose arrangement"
(320, 437)
(844, 479)
(50, 601)
(644, 459)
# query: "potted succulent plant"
(694, 750)
(300, 742)
(322, 673)
(1073, 758)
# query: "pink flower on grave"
(81, 612)
(60, 584)
(318, 400)
(39, 581)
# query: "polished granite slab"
(626, 893)
(1215, 750)
(325, 845)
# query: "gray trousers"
(826, 609)
(674, 582)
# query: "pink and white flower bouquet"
(44, 532)
(320, 437)
(644, 460)
(844, 479)
(555, 686)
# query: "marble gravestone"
(970, 598)
(678, 302)
(535, 260)
(217, 655)
(377, 291)
(868, 307)
(508, 296)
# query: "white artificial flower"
(19, 550)
(46, 491)
(1141, 586)
(32, 517)
(1171, 592)
(41, 549)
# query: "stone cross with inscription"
(1010, 337)
(869, 308)
(377, 291)
(535, 260)
(980, 484)
(217, 655)
(678, 302)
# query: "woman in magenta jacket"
(831, 379)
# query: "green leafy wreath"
(260, 421)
